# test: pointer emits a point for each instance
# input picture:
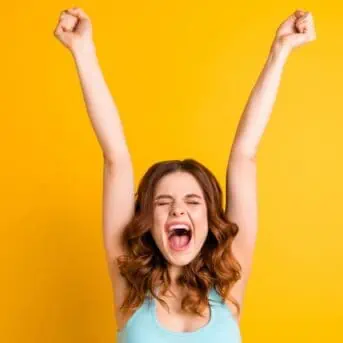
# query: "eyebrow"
(167, 196)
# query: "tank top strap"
(214, 297)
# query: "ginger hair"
(144, 267)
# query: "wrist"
(279, 46)
(81, 50)
(279, 51)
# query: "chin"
(178, 259)
(180, 262)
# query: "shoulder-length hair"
(144, 267)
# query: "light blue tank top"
(144, 327)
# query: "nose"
(177, 211)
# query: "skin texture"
(192, 210)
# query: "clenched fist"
(74, 30)
(296, 30)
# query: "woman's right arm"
(75, 32)
(118, 183)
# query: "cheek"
(201, 222)
(159, 219)
(203, 230)
(199, 215)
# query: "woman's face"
(179, 199)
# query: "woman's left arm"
(241, 190)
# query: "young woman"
(178, 262)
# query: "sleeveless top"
(143, 326)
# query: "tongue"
(179, 242)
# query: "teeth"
(178, 226)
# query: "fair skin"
(173, 204)
(74, 30)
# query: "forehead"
(178, 183)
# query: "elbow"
(109, 161)
(244, 149)
(245, 154)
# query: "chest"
(179, 321)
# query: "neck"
(174, 273)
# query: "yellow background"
(180, 72)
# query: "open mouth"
(179, 238)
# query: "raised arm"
(75, 32)
(241, 190)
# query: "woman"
(178, 262)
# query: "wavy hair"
(143, 265)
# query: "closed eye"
(189, 202)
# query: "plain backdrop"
(181, 73)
